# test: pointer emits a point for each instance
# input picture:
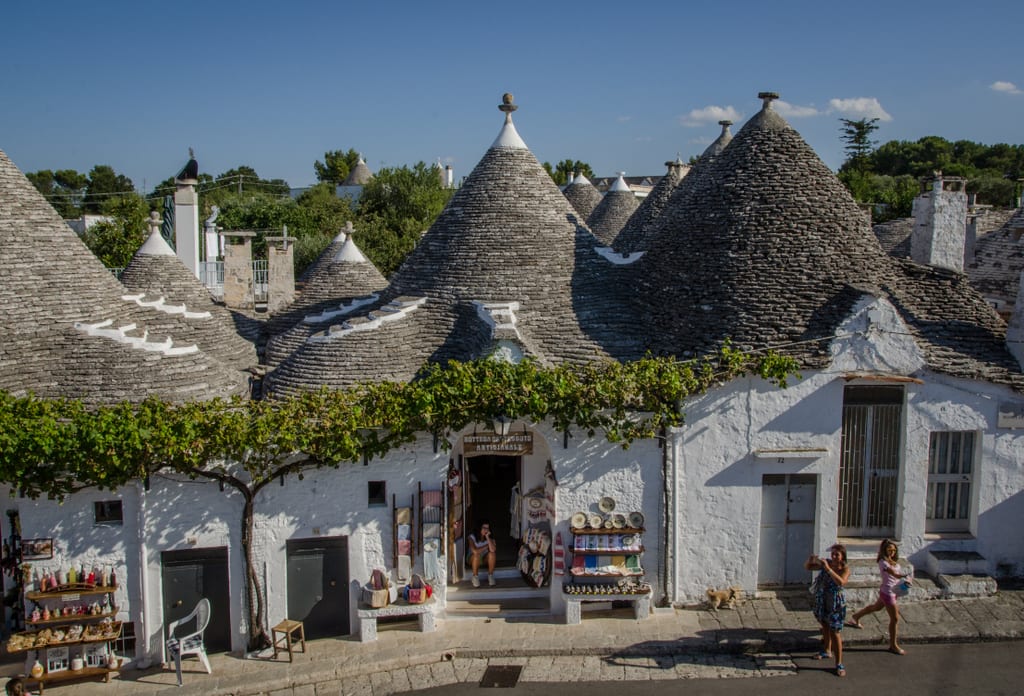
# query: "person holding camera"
(481, 544)
(830, 601)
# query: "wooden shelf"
(609, 530)
(609, 552)
(637, 574)
(104, 672)
(62, 590)
(71, 619)
(67, 643)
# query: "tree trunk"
(253, 588)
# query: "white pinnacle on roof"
(508, 137)
(155, 245)
(620, 184)
(350, 252)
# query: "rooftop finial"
(768, 98)
(507, 106)
(154, 222)
(725, 123)
(191, 154)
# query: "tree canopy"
(560, 173)
(336, 166)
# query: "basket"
(417, 591)
(377, 592)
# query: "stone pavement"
(754, 639)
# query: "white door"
(788, 504)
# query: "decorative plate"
(579, 520)
(606, 504)
(595, 521)
(627, 540)
(636, 520)
(608, 524)
(618, 520)
(536, 503)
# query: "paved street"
(753, 640)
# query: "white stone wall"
(940, 228)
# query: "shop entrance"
(318, 579)
(490, 480)
(191, 575)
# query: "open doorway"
(490, 480)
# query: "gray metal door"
(190, 575)
(318, 585)
(870, 461)
(788, 505)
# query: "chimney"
(1015, 330)
(238, 278)
(186, 215)
(940, 224)
(280, 271)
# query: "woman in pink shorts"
(889, 567)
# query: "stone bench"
(573, 604)
(368, 617)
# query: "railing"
(211, 274)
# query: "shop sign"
(492, 443)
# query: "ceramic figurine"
(72, 575)
(37, 670)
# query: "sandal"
(897, 651)
(822, 655)
(854, 624)
(840, 670)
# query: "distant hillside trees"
(561, 171)
(336, 166)
(890, 174)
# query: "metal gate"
(788, 505)
(870, 462)
(318, 585)
(191, 575)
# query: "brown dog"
(726, 597)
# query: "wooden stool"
(288, 628)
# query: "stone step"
(956, 563)
(510, 597)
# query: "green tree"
(336, 166)
(115, 241)
(856, 134)
(566, 167)
(63, 190)
(104, 183)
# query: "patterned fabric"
(189, 645)
(829, 601)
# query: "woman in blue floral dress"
(830, 601)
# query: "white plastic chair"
(191, 644)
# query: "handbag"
(377, 593)
(418, 590)
(903, 588)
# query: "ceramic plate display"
(595, 521)
(618, 520)
(628, 540)
(608, 524)
(606, 504)
(536, 503)
(636, 520)
(579, 520)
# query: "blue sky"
(623, 86)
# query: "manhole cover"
(501, 676)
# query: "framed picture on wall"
(36, 549)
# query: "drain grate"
(501, 676)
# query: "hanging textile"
(516, 508)
(431, 566)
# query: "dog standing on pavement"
(726, 597)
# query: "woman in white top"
(481, 544)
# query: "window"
(108, 512)
(124, 646)
(376, 494)
(950, 475)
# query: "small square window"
(108, 512)
(376, 493)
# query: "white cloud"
(623, 119)
(1007, 87)
(709, 114)
(861, 107)
(788, 110)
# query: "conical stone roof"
(633, 236)
(506, 267)
(359, 175)
(158, 278)
(768, 249)
(65, 330)
(349, 275)
(583, 196)
(611, 214)
(327, 255)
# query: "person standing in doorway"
(482, 544)
(889, 567)
(830, 602)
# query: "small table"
(288, 628)
(641, 604)
(368, 617)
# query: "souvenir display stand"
(74, 634)
(455, 522)
(431, 531)
(606, 552)
(402, 538)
